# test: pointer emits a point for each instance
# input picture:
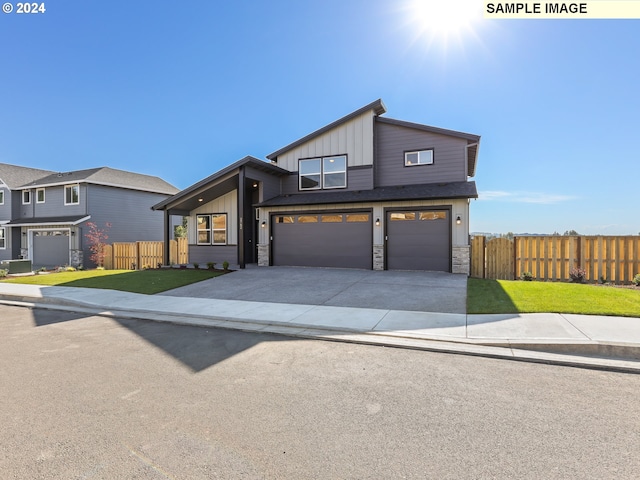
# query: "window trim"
(323, 174)
(419, 151)
(28, 192)
(3, 238)
(38, 190)
(77, 185)
(211, 230)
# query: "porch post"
(241, 202)
(167, 246)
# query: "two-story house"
(43, 214)
(365, 191)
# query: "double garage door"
(415, 239)
(334, 239)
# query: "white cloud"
(525, 197)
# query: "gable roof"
(248, 160)
(105, 176)
(473, 141)
(14, 176)
(377, 106)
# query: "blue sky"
(182, 89)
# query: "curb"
(569, 355)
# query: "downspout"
(241, 202)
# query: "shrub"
(196, 265)
(578, 275)
(636, 280)
(526, 276)
(225, 265)
(3, 272)
(211, 265)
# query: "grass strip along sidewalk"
(141, 281)
(504, 296)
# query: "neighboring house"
(43, 214)
(363, 192)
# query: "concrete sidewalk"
(611, 343)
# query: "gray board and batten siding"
(53, 205)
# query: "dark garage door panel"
(342, 245)
(419, 244)
(50, 250)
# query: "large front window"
(3, 240)
(323, 173)
(212, 229)
(72, 195)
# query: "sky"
(183, 89)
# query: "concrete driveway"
(392, 290)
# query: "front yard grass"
(141, 281)
(504, 296)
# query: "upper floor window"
(323, 173)
(26, 197)
(418, 157)
(211, 229)
(40, 195)
(1, 197)
(71, 194)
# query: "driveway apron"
(389, 290)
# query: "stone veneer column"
(378, 257)
(460, 260)
(263, 255)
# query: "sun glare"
(444, 20)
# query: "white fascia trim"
(106, 184)
(83, 219)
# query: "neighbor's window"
(1, 197)
(323, 173)
(212, 229)
(420, 157)
(40, 195)
(71, 194)
(3, 242)
(26, 197)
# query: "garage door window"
(284, 220)
(433, 215)
(308, 219)
(357, 217)
(331, 218)
(402, 216)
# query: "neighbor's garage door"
(419, 240)
(50, 248)
(341, 239)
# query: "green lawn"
(503, 296)
(141, 281)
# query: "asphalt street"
(95, 397)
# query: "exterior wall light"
(201, 199)
(377, 222)
(263, 224)
(458, 220)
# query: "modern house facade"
(365, 191)
(44, 214)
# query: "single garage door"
(419, 240)
(340, 239)
(50, 248)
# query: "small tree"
(96, 237)
(180, 231)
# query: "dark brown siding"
(393, 140)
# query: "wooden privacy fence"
(138, 255)
(615, 259)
